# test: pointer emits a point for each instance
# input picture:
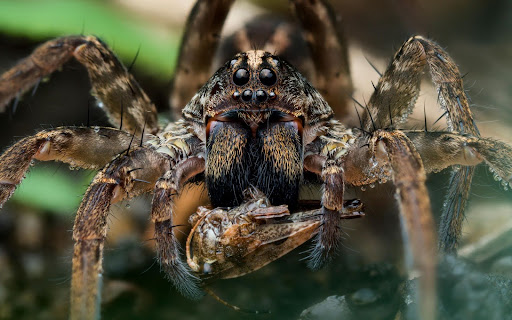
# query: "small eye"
(241, 77)
(261, 96)
(247, 95)
(268, 77)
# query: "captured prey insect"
(230, 243)
(257, 122)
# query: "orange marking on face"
(253, 122)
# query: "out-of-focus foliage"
(61, 193)
(125, 33)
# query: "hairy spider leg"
(439, 150)
(394, 99)
(197, 51)
(390, 155)
(83, 147)
(167, 245)
(324, 34)
(127, 176)
(329, 236)
(409, 178)
(118, 92)
(398, 88)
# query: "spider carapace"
(259, 115)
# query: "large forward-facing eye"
(268, 77)
(241, 77)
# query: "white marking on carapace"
(255, 58)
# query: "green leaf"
(123, 31)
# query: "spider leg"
(90, 148)
(112, 84)
(440, 150)
(397, 90)
(168, 247)
(379, 157)
(334, 208)
(125, 177)
(324, 35)
(498, 156)
(326, 243)
(394, 98)
(409, 178)
(197, 51)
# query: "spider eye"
(241, 77)
(268, 77)
(247, 95)
(261, 96)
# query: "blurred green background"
(35, 241)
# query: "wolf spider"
(257, 124)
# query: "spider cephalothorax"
(259, 112)
(257, 124)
